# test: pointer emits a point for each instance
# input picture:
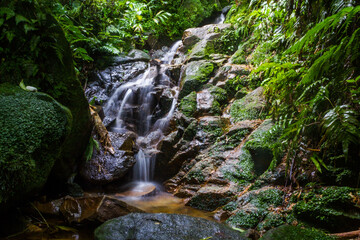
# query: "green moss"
(208, 202)
(240, 111)
(219, 94)
(231, 206)
(196, 176)
(34, 127)
(215, 109)
(271, 220)
(239, 57)
(246, 219)
(47, 64)
(190, 131)
(243, 172)
(267, 198)
(188, 105)
(195, 75)
(288, 232)
(328, 207)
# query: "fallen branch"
(347, 235)
(101, 131)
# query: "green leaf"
(19, 18)
(67, 229)
(22, 85)
(316, 163)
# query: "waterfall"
(134, 103)
(220, 19)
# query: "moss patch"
(34, 127)
(251, 107)
(329, 208)
(188, 105)
(195, 75)
(287, 232)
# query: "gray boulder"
(163, 226)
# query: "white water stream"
(135, 103)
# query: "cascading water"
(134, 103)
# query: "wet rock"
(208, 35)
(174, 71)
(206, 103)
(50, 208)
(94, 208)
(260, 148)
(103, 167)
(209, 128)
(188, 104)
(104, 83)
(194, 76)
(87, 208)
(288, 232)
(211, 197)
(138, 55)
(33, 129)
(163, 226)
(252, 106)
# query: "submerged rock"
(87, 208)
(104, 167)
(162, 226)
(33, 129)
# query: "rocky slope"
(218, 152)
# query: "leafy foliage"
(307, 56)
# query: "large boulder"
(46, 62)
(194, 76)
(250, 107)
(163, 227)
(33, 129)
(104, 167)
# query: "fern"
(341, 126)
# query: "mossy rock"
(188, 105)
(219, 94)
(243, 171)
(195, 75)
(260, 146)
(330, 208)
(34, 127)
(246, 219)
(208, 202)
(50, 69)
(288, 232)
(161, 226)
(250, 107)
(270, 221)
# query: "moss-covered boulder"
(40, 55)
(188, 105)
(250, 107)
(260, 146)
(33, 129)
(332, 208)
(194, 76)
(254, 209)
(288, 232)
